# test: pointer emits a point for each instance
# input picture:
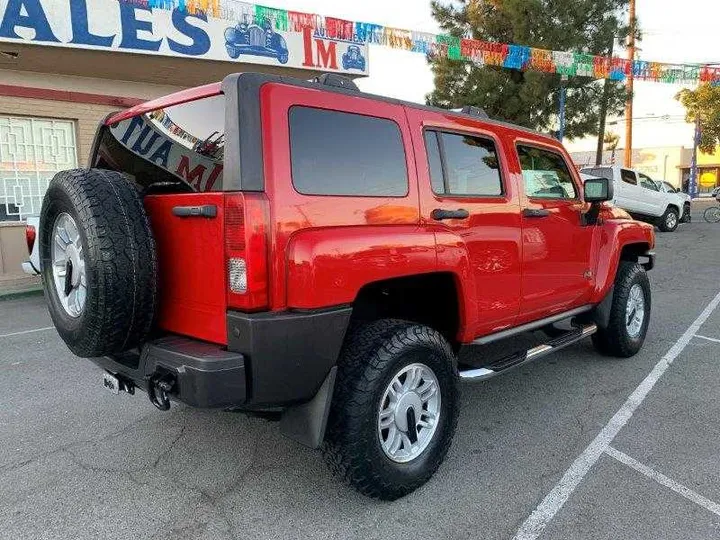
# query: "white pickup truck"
(644, 198)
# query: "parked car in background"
(716, 192)
(642, 198)
(32, 227)
(667, 187)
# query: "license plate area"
(111, 383)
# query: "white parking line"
(554, 501)
(660, 478)
(27, 332)
(708, 338)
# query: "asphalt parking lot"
(574, 446)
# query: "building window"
(32, 150)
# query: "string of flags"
(512, 56)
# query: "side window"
(339, 153)
(463, 165)
(628, 177)
(545, 174)
(647, 182)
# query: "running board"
(519, 359)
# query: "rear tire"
(625, 333)
(669, 221)
(118, 260)
(357, 447)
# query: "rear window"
(181, 146)
(600, 172)
(339, 153)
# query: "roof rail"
(474, 111)
(338, 81)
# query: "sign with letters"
(134, 27)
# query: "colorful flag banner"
(509, 56)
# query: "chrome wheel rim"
(409, 413)
(68, 265)
(671, 220)
(635, 313)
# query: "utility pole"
(563, 90)
(603, 113)
(630, 85)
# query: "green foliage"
(703, 103)
(530, 98)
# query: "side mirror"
(598, 190)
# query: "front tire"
(395, 408)
(629, 314)
(669, 221)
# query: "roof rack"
(338, 81)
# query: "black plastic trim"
(207, 375)
(288, 354)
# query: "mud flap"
(306, 423)
(601, 314)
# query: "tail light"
(30, 235)
(246, 231)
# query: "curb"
(24, 293)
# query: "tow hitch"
(159, 390)
(117, 384)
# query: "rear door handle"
(439, 214)
(535, 212)
(206, 211)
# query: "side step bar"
(519, 359)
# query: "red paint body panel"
(329, 266)
(613, 235)
(490, 237)
(191, 266)
(191, 94)
(557, 250)
(293, 215)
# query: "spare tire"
(99, 263)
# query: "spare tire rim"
(409, 413)
(635, 313)
(68, 265)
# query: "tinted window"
(471, 165)
(670, 188)
(628, 177)
(337, 153)
(434, 161)
(545, 174)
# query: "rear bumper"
(204, 375)
(272, 360)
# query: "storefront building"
(66, 64)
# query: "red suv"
(300, 248)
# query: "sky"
(673, 31)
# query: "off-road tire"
(663, 223)
(615, 339)
(373, 353)
(120, 261)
